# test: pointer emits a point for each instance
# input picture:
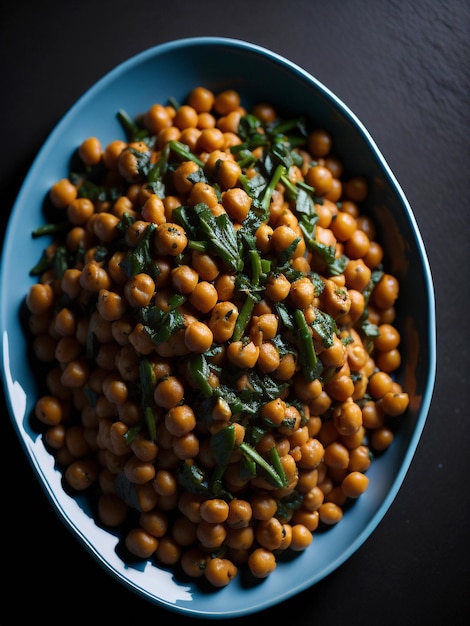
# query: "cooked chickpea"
(170, 239)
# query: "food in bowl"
(217, 324)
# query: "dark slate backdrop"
(404, 69)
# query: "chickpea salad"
(216, 329)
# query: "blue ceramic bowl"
(155, 75)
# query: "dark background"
(404, 69)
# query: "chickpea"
(354, 484)
(228, 173)
(359, 459)
(82, 474)
(193, 562)
(395, 403)
(62, 193)
(204, 296)
(180, 420)
(141, 543)
(301, 537)
(168, 551)
(40, 298)
(269, 533)
(319, 142)
(169, 392)
(243, 355)
(226, 101)
(277, 287)
(236, 202)
(201, 99)
(181, 176)
(222, 321)
(385, 292)
(357, 274)
(184, 278)
(139, 290)
(261, 562)
(198, 337)
(205, 265)
(330, 513)
(239, 513)
(170, 239)
(356, 188)
(219, 571)
(269, 358)
(347, 418)
(320, 178)
(214, 511)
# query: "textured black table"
(404, 69)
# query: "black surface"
(404, 69)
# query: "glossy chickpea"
(194, 561)
(354, 484)
(79, 211)
(168, 392)
(189, 504)
(261, 562)
(82, 474)
(347, 418)
(201, 99)
(356, 188)
(205, 265)
(335, 299)
(219, 571)
(269, 358)
(90, 151)
(40, 298)
(359, 459)
(237, 203)
(168, 551)
(139, 290)
(379, 384)
(214, 510)
(381, 438)
(395, 403)
(198, 337)
(185, 117)
(222, 320)
(319, 142)
(210, 139)
(277, 287)
(372, 415)
(389, 360)
(205, 120)
(111, 154)
(156, 118)
(374, 256)
(385, 292)
(357, 245)
(62, 193)
(287, 368)
(180, 176)
(180, 420)
(243, 355)
(320, 178)
(204, 296)
(357, 274)
(184, 278)
(312, 453)
(226, 101)
(263, 237)
(228, 173)
(170, 238)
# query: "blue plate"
(171, 70)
